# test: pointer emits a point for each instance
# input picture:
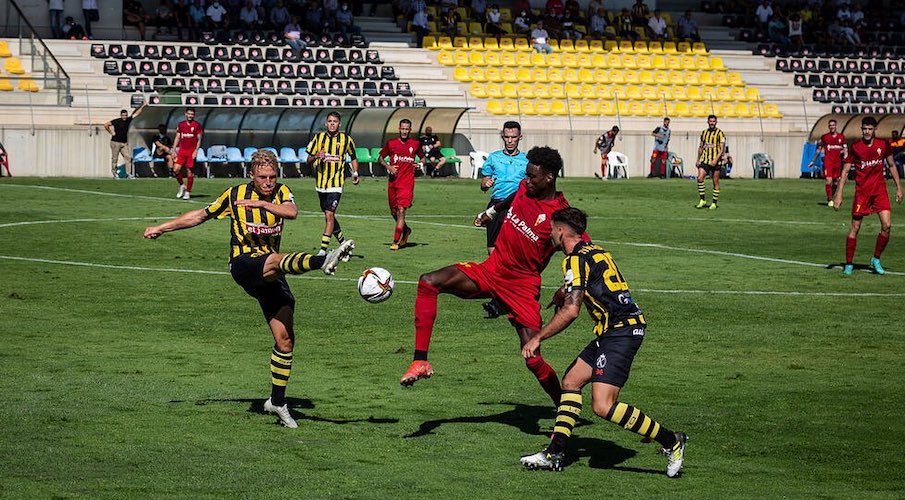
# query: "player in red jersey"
(510, 274)
(401, 185)
(869, 156)
(188, 137)
(832, 145)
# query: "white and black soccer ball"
(375, 284)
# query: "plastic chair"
(288, 156)
(618, 164)
(676, 166)
(762, 165)
(477, 162)
(452, 158)
(234, 156)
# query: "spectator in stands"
(478, 9)
(248, 16)
(597, 24)
(554, 9)
(73, 30)
(197, 18)
(450, 22)
(163, 147)
(897, 145)
(421, 26)
(404, 7)
(656, 26)
(55, 7)
(763, 13)
(216, 15)
(119, 133)
(593, 5)
(796, 29)
(181, 15)
(89, 10)
(433, 158)
(292, 33)
(494, 25)
(522, 23)
(777, 29)
(849, 34)
(626, 29)
(279, 15)
(688, 27)
(314, 17)
(331, 7)
(640, 13)
(857, 17)
(134, 15)
(843, 13)
(539, 38)
(570, 21)
(523, 5)
(165, 18)
(344, 20)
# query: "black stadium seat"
(246, 101)
(419, 103)
(333, 102)
(252, 70)
(160, 82)
(269, 70)
(235, 70)
(823, 66)
(304, 71)
(196, 85)
(323, 56)
(238, 54)
(368, 102)
(782, 65)
(843, 81)
(147, 68)
(852, 66)
(301, 87)
(272, 54)
(183, 69)
(350, 102)
(130, 68)
(154, 99)
(318, 87)
(336, 88)
(371, 73)
(833, 95)
(339, 56)
(211, 101)
(218, 69)
(256, 54)
(857, 81)
(337, 72)
(306, 56)
(267, 87)
(112, 68)
(168, 52)
(143, 84)
(870, 81)
(354, 72)
(221, 54)
(355, 56)
(178, 82)
(387, 89)
(98, 50)
(285, 87)
(281, 101)
(165, 68)
(124, 84)
(372, 57)
(188, 53)
(316, 102)
(133, 52)
(321, 72)
(214, 86)
(152, 52)
(404, 89)
(838, 66)
(232, 86)
(388, 73)
(384, 103)
(200, 69)
(806, 64)
(265, 101)
(370, 88)
(250, 87)
(299, 101)
(402, 103)
(353, 88)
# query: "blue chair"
(234, 156)
(303, 162)
(247, 152)
(201, 159)
(288, 156)
(216, 156)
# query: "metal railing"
(44, 66)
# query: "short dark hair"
(336, 114)
(869, 120)
(572, 217)
(832, 120)
(405, 120)
(123, 111)
(161, 126)
(190, 109)
(615, 129)
(547, 158)
(711, 116)
(513, 124)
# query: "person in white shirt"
(657, 26)
(494, 21)
(764, 12)
(216, 15)
(248, 16)
(421, 26)
(539, 38)
(520, 23)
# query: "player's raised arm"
(189, 219)
(485, 216)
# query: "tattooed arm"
(564, 317)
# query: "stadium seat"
(618, 163)
(13, 66)
(6, 86)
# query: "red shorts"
(185, 158)
(520, 295)
(659, 155)
(832, 171)
(870, 203)
(400, 196)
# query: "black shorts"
(434, 155)
(710, 169)
(248, 272)
(329, 201)
(494, 226)
(611, 357)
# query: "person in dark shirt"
(119, 131)
(163, 147)
(433, 158)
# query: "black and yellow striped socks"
(702, 192)
(635, 420)
(280, 367)
(325, 241)
(300, 262)
(338, 232)
(716, 196)
(566, 416)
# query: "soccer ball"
(375, 284)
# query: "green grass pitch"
(132, 368)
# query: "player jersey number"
(614, 281)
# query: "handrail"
(33, 30)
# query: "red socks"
(546, 375)
(882, 240)
(397, 233)
(829, 191)
(425, 314)
(179, 177)
(189, 182)
(850, 244)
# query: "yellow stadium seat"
(477, 74)
(541, 91)
(506, 44)
(687, 63)
(646, 77)
(493, 58)
(658, 62)
(643, 61)
(699, 109)
(589, 107)
(510, 107)
(654, 47)
(5, 86)
(699, 48)
(679, 109)
(693, 93)
(585, 75)
(596, 45)
(460, 42)
(640, 47)
(679, 93)
(629, 61)
(476, 43)
(735, 79)
(556, 91)
(493, 75)
(725, 110)
(690, 78)
(477, 89)
(610, 46)
(742, 110)
(649, 93)
(598, 60)
(461, 74)
(626, 47)
(445, 58)
(566, 46)
(4, 49)
(737, 94)
(13, 66)
(633, 92)
(607, 108)
(752, 94)
(683, 47)
(584, 60)
(524, 75)
(722, 94)
(508, 74)
(570, 60)
(558, 107)
(653, 108)
(661, 77)
(493, 90)
(28, 85)
(573, 91)
(673, 62)
(663, 92)
(676, 78)
(603, 91)
(702, 63)
(538, 60)
(668, 18)
(526, 106)
(525, 91)
(506, 14)
(716, 63)
(631, 76)
(586, 91)
(601, 75)
(523, 59)
(635, 108)
(476, 58)
(720, 78)
(539, 75)
(555, 75)
(444, 42)
(461, 58)
(622, 107)
(475, 29)
(571, 75)
(582, 46)
(554, 43)
(705, 78)
(613, 60)
(669, 47)
(429, 42)
(616, 76)
(554, 60)
(522, 44)
(495, 107)
(506, 58)
(543, 107)
(771, 111)
(509, 90)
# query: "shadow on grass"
(525, 418)
(256, 405)
(603, 454)
(857, 267)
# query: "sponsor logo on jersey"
(521, 226)
(872, 163)
(403, 159)
(540, 218)
(333, 158)
(263, 229)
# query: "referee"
(327, 157)
(710, 153)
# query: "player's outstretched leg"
(634, 420)
(333, 258)
(675, 455)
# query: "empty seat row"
(870, 51)
(229, 100)
(600, 75)
(253, 86)
(591, 107)
(234, 53)
(851, 96)
(850, 81)
(583, 45)
(605, 91)
(814, 65)
(24, 84)
(249, 69)
(579, 60)
(868, 109)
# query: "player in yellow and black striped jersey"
(257, 210)
(590, 275)
(711, 152)
(327, 156)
